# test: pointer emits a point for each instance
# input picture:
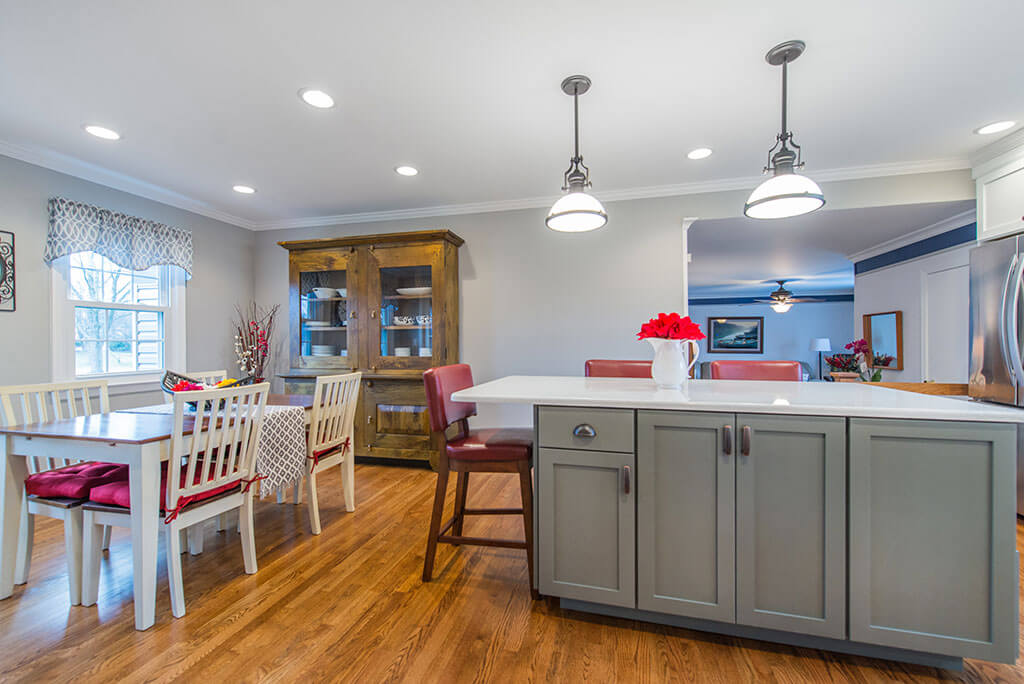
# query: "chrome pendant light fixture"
(577, 211)
(787, 193)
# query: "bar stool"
(487, 450)
(616, 368)
(756, 370)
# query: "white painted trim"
(990, 156)
(928, 231)
(91, 172)
(685, 232)
(97, 174)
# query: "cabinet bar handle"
(727, 440)
(625, 479)
(584, 430)
(745, 441)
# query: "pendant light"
(787, 193)
(577, 211)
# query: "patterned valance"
(128, 241)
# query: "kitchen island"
(838, 516)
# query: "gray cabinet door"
(685, 514)
(587, 537)
(791, 524)
(933, 563)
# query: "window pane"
(120, 357)
(117, 287)
(85, 284)
(87, 260)
(149, 325)
(89, 358)
(120, 325)
(90, 323)
(149, 355)
(147, 291)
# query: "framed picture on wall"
(6, 271)
(736, 334)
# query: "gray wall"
(787, 336)
(539, 302)
(222, 272)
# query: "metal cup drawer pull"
(584, 430)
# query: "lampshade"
(784, 195)
(576, 212)
(821, 344)
(782, 307)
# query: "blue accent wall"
(753, 300)
(935, 243)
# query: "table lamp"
(821, 345)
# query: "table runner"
(281, 452)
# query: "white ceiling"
(204, 93)
(734, 257)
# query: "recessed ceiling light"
(101, 132)
(316, 98)
(997, 127)
(406, 170)
(244, 189)
(700, 153)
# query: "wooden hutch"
(386, 305)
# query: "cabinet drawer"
(585, 428)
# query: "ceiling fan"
(782, 300)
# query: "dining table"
(139, 437)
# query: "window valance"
(130, 242)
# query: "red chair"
(487, 450)
(756, 370)
(613, 368)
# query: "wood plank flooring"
(349, 606)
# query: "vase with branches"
(253, 330)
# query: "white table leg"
(13, 472)
(144, 483)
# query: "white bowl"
(403, 351)
(325, 292)
(343, 292)
(426, 351)
(414, 290)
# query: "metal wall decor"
(6, 271)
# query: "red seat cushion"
(493, 444)
(118, 493)
(75, 481)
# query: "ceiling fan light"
(576, 212)
(782, 307)
(783, 196)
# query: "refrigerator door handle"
(1003, 319)
(1012, 335)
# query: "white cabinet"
(1000, 186)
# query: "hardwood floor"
(349, 605)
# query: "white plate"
(414, 290)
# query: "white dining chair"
(45, 403)
(210, 470)
(329, 441)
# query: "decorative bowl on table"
(172, 383)
(414, 291)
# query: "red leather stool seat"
(75, 481)
(493, 444)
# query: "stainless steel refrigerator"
(997, 331)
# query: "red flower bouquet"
(186, 386)
(670, 327)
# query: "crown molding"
(1010, 146)
(937, 228)
(650, 192)
(96, 174)
(72, 166)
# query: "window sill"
(133, 383)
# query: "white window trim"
(62, 329)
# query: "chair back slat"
(334, 410)
(51, 401)
(222, 447)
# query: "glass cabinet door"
(401, 334)
(322, 337)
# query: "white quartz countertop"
(858, 400)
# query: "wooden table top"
(128, 428)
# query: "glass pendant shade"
(784, 195)
(576, 212)
(781, 307)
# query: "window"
(112, 321)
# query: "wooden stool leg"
(461, 489)
(435, 519)
(526, 491)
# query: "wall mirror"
(884, 333)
